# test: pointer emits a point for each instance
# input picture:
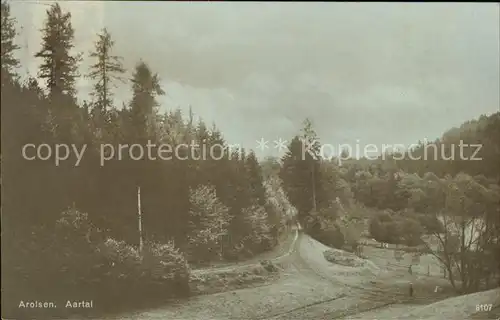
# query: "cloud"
(377, 72)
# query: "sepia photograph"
(218, 160)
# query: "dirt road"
(282, 250)
(309, 287)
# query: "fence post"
(141, 245)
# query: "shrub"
(256, 219)
(431, 224)
(351, 236)
(391, 232)
(410, 231)
(332, 237)
(375, 229)
(396, 230)
(69, 263)
(166, 264)
(342, 258)
(268, 266)
(121, 260)
(209, 220)
(161, 272)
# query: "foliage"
(258, 221)
(59, 67)
(213, 204)
(104, 71)
(209, 221)
(8, 33)
(277, 201)
(269, 266)
(236, 207)
(467, 244)
(303, 176)
(389, 228)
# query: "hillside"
(461, 307)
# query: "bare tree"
(464, 248)
(105, 70)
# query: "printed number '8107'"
(484, 307)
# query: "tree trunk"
(313, 187)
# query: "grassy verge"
(238, 278)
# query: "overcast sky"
(377, 72)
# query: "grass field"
(310, 287)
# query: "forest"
(403, 201)
(71, 232)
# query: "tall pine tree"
(8, 32)
(301, 174)
(59, 67)
(296, 179)
(145, 88)
(256, 183)
(106, 69)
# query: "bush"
(431, 224)
(410, 232)
(344, 259)
(386, 216)
(352, 235)
(337, 239)
(165, 257)
(167, 264)
(332, 237)
(257, 221)
(396, 230)
(268, 266)
(118, 261)
(209, 219)
(120, 255)
(322, 227)
(376, 230)
(68, 263)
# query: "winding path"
(277, 254)
(309, 287)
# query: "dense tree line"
(68, 222)
(406, 201)
(79, 224)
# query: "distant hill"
(483, 132)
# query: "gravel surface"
(280, 251)
(293, 290)
(310, 287)
(462, 307)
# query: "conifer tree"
(106, 69)
(8, 34)
(145, 88)
(59, 67)
(256, 183)
(301, 174)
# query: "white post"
(140, 218)
(222, 236)
(313, 187)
